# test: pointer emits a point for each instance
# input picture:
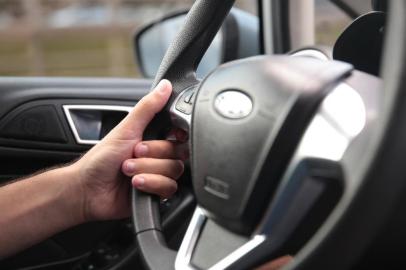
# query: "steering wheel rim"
(322, 250)
(179, 66)
(323, 247)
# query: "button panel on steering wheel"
(185, 103)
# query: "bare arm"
(38, 207)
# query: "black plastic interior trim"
(260, 7)
(231, 37)
(71, 144)
(14, 92)
(380, 5)
(281, 26)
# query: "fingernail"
(162, 87)
(138, 181)
(141, 150)
(130, 167)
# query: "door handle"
(90, 123)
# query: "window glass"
(247, 5)
(330, 22)
(78, 37)
(74, 37)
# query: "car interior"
(297, 148)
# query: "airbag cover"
(237, 161)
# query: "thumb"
(133, 126)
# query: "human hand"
(155, 164)
(104, 189)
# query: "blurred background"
(94, 37)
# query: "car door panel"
(33, 107)
(35, 135)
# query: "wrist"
(73, 195)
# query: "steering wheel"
(289, 155)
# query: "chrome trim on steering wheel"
(184, 257)
(239, 253)
(189, 241)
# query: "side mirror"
(238, 38)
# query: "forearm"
(35, 208)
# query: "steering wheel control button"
(185, 102)
(189, 96)
(233, 104)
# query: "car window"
(355, 7)
(330, 22)
(248, 5)
(78, 37)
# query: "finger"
(133, 126)
(156, 184)
(168, 167)
(161, 149)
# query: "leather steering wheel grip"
(188, 48)
(178, 66)
(182, 58)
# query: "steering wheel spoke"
(315, 181)
(229, 247)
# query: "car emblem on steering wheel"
(233, 104)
